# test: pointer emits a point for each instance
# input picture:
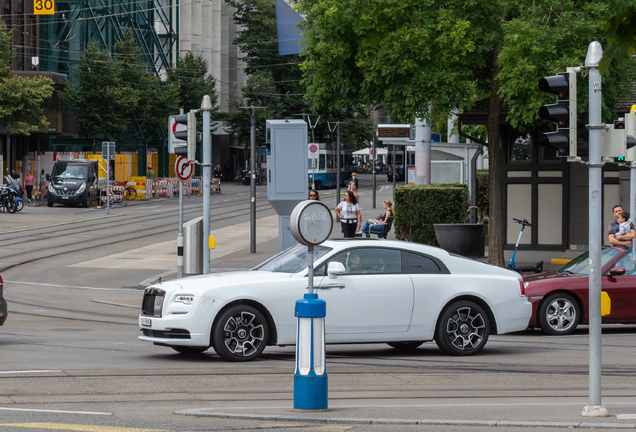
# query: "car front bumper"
(67, 199)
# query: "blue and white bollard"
(310, 378)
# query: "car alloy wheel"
(559, 314)
(240, 333)
(463, 328)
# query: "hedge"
(418, 207)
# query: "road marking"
(28, 371)
(68, 286)
(55, 411)
(77, 427)
(303, 426)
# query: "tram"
(323, 169)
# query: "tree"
(102, 100)
(621, 35)
(157, 100)
(274, 81)
(21, 99)
(191, 78)
(405, 53)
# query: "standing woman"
(354, 188)
(28, 183)
(349, 213)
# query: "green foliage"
(621, 37)
(191, 77)
(274, 81)
(104, 101)
(417, 208)
(21, 99)
(546, 38)
(399, 53)
(157, 100)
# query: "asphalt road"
(71, 359)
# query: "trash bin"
(193, 247)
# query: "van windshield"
(69, 171)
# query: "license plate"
(64, 197)
(146, 322)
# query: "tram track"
(117, 221)
(128, 238)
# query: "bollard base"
(595, 411)
(310, 392)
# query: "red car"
(560, 298)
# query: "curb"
(205, 412)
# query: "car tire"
(463, 328)
(240, 333)
(405, 346)
(559, 314)
(49, 203)
(186, 350)
(85, 203)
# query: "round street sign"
(313, 151)
(311, 223)
(183, 168)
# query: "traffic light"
(563, 112)
(189, 135)
(616, 140)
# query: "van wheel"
(49, 203)
(85, 203)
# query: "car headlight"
(185, 299)
(82, 188)
(51, 188)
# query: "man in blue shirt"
(614, 227)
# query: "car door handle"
(330, 286)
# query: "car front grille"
(152, 303)
(170, 334)
(66, 192)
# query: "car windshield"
(69, 171)
(581, 264)
(292, 260)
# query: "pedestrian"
(217, 172)
(313, 195)
(353, 188)
(376, 226)
(151, 173)
(354, 178)
(349, 213)
(624, 226)
(614, 228)
(42, 179)
(17, 181)
(28, 183)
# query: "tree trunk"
(496, 238)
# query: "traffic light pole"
(253, 183)
(594, 54)
(206, 106)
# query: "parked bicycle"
(130, 193)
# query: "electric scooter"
(538, 267)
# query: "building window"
(521, 149)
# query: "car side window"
(366, 261)
(418, 264)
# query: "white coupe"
(377, 291)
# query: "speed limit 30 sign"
(43, 7)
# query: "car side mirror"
(335, 269)
(617, 271)
(92, 177)
(48, 177)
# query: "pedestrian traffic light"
(563, 112)
(616, 141)
(189, 135)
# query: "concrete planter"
(461, 239)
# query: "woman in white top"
(349, 213)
